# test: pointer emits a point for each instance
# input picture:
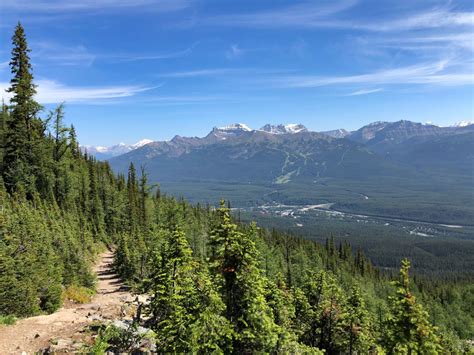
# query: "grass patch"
(77, 294)
(7, 320)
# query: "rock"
(78, 346)
(37, 335)
(147, 346)
(61, 346)
(96, 318)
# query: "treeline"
(215, 285)
(57, 205)
(219, 285)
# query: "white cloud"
(331, 15)
(200, 72)
(301, 15)
(56, 6)
(50, 92)
(364, 92)
(60, 54)
(428, 41)
(442, 72)
(137, 57)
(219, 72)
(428, 19)
(63, 55)
(234, 51)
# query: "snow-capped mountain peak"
(235, 127)
(284, 129)
(232, 130)
(463, 124)
(101, 152)
(295, 128)
(141, 143)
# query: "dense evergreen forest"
(215, 284)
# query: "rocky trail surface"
(35, 334)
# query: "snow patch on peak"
(141, 143)
(295, 128)
(463, 124)
(377, 123)
(100, 149)
(284, 129)
(235, 127)
(101, 152)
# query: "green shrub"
(7, 320)
(77, 294)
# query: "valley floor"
(33, 334)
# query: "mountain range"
(277, 153)
(398, 164)
(363, 135)
(104, 153)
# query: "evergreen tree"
(321, 313)
(96, 213)
(234, 260)
(132, 191)
(358, 323)
(184, 309)
(73, 143)
(172, 291)
(60, 148)
(4, 116)
(23, 128)
(408, 329)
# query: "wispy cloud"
(201, 73)
(222, 72)
(50, 92)
(234, 51)
(422, 42)
(364, 92)
(63, 55)
(433, 18)
(131, 57)
(183, 100)
(59, 6)
(441, 72)
(59, 54)
(331, 15)
(301, 15)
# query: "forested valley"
(214, 284)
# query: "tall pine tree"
(24, 128)
(234, 260)
(408, 328)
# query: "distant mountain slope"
(445, 153)
(104, 153)
(337, 133)
(256, 156)
(424, 146)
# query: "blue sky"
(133, 69)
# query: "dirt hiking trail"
(34, 334)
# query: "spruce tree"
(172, 290)
(4, 115)
(73, 143)
(185, 309)
(234, 260)
(358, 323)
(24, 128)
(60, 148)
(408, 329)
(133, 202)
